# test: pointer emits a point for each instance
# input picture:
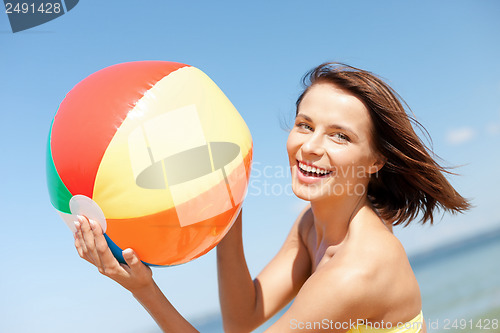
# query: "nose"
(313, 145)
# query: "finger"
(133, 260)
(88, 238)
(77, 245)
(79, 242)
(109, 264)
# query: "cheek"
(351, 162)
(339, 155)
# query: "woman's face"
(329, 147)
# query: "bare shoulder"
(367, 278)
(376, 246)
(379, 263)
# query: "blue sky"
(442, 57)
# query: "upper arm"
(330, 300)
(284, 275)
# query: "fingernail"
(92, 224)
(77, 224)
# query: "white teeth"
(309, 168)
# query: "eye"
(304, 126)
(341, 137)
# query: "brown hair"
(411, 181)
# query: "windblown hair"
(411, 181)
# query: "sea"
(459, 283)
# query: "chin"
(307, 193)
(301, 195)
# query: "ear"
(377, 165)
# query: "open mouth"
(311, 171)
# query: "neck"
(332, 218)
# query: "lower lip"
(309, 179)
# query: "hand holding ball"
(156, 153)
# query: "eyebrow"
(332, 126)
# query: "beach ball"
(156, 153)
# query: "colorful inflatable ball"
(156, 153)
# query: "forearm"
(135, 276)
(162, 311)
(237, 292)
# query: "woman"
(355, 157)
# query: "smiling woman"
(355, 157)
(411, 181)
(330, 144)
